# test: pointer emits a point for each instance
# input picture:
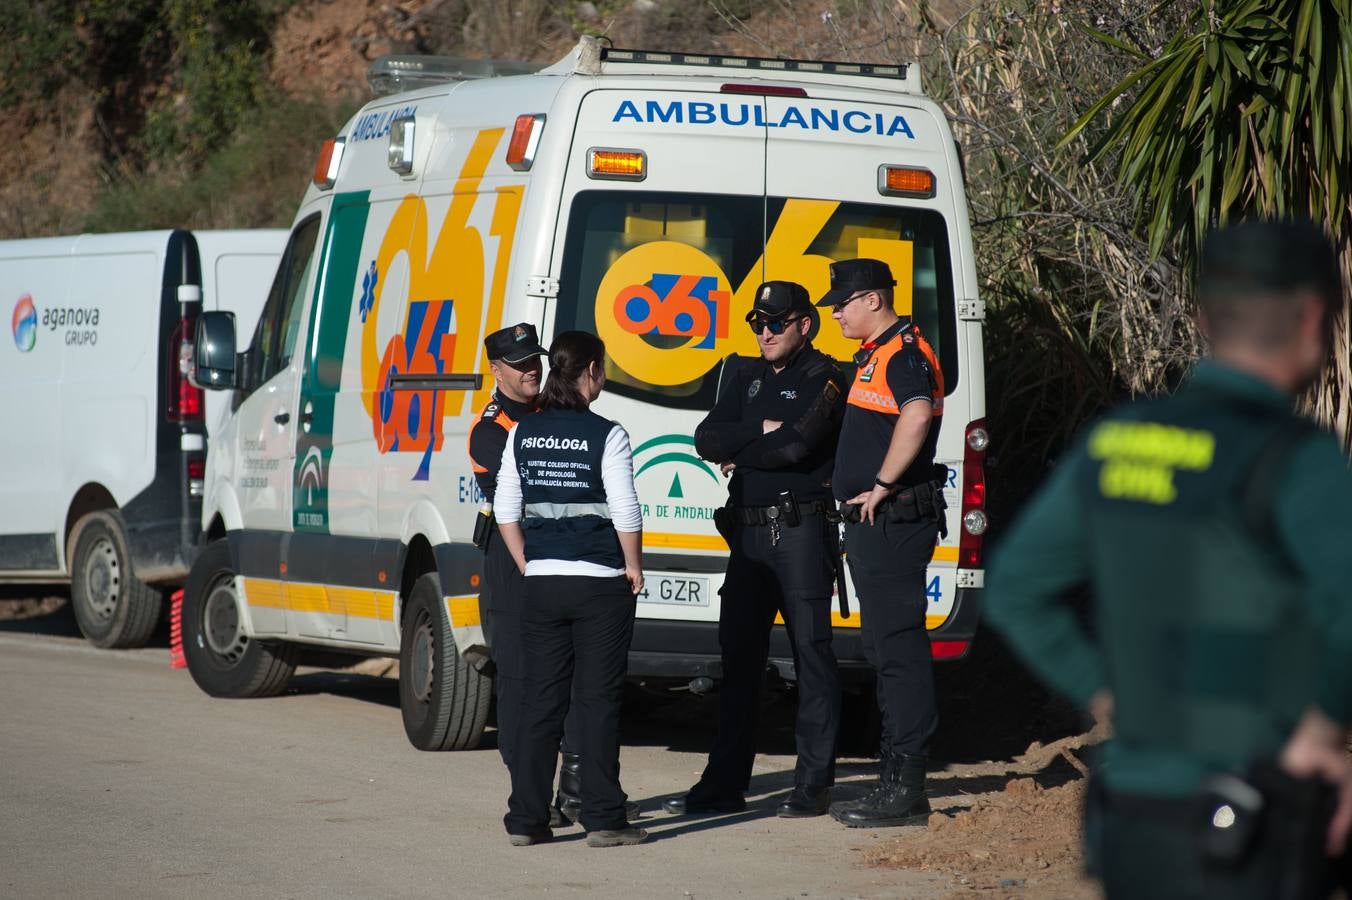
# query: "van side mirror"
(214, 351)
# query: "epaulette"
(491, 411)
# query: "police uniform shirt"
(901, 369)
(1223, 628)
(488, 437)
(806, 397)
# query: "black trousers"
(577, 631)
(1155, 854)
(504, 597)
(888, 561)
(792, 577)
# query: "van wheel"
(443, 698)
(113, 607)
(223, 660)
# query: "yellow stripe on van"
(837, 621)
(358, 603)
(656, 539)
(463, 610)
(667, 541)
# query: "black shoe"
(696, 804)
(618, 837)
(558, 818)
(899, 799)
(805, 802)
(528, 840)
(570, 808)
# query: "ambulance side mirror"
(214, 351)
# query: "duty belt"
(763, 515)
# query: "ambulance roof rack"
(392, 74)
(594, 55)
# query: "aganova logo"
(25, 323)
(810, 118)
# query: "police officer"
(514, 359)
(568, 514)
(885, 479)
(1212, 530)
(775, 428)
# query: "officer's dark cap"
(1281, 257)
(850, 276)
(514, 344)
(779, 299)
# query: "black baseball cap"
(777, 299)
(514, 344)
(850, 276)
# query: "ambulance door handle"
(282, 418)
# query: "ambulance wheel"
(113, 607)
(223, 660)
(443, 698)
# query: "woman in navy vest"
(567, 511)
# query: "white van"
(642, 196)
(102, 464)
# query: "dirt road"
(120, 778)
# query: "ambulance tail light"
(621, 165)
(326, 167)
(764, 90)
(525, 139)
(906, 181)
(197, 471)
(974, 519)
(949, 649)
(184, 400)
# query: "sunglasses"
(837, 307)
(776, 326)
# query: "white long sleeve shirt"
(617, 475)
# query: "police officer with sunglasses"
(774, 429)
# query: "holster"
(483, 529)
(723, 517)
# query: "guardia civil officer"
(885, 478)
(567, 511)
(775, 429)
(514, 359)
(1212, 530)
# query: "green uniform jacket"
(1211, 634)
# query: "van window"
(278, 328)
(666, 279)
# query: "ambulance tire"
(222, 659)
(444, 699)
(113, 607)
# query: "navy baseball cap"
(778, 299)
(850, 276)
(514, 344)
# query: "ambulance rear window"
(666, 279)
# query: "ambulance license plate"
(674, 590)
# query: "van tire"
(113, 607)
(221, 658)
(444, 700)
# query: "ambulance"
(642, 196)
(105, 440)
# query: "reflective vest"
(564, 512)
(1208, 643)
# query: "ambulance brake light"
(767, 90)
(906, 181)
(622, 165)
(974, 520)
(525, 140)
(326, 167)
(949, 649)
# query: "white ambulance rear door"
(664, 268)
(827, 199)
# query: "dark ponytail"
(571, 354)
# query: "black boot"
(884, 755)
(805, 801)
(568, 803)
(899, 800)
